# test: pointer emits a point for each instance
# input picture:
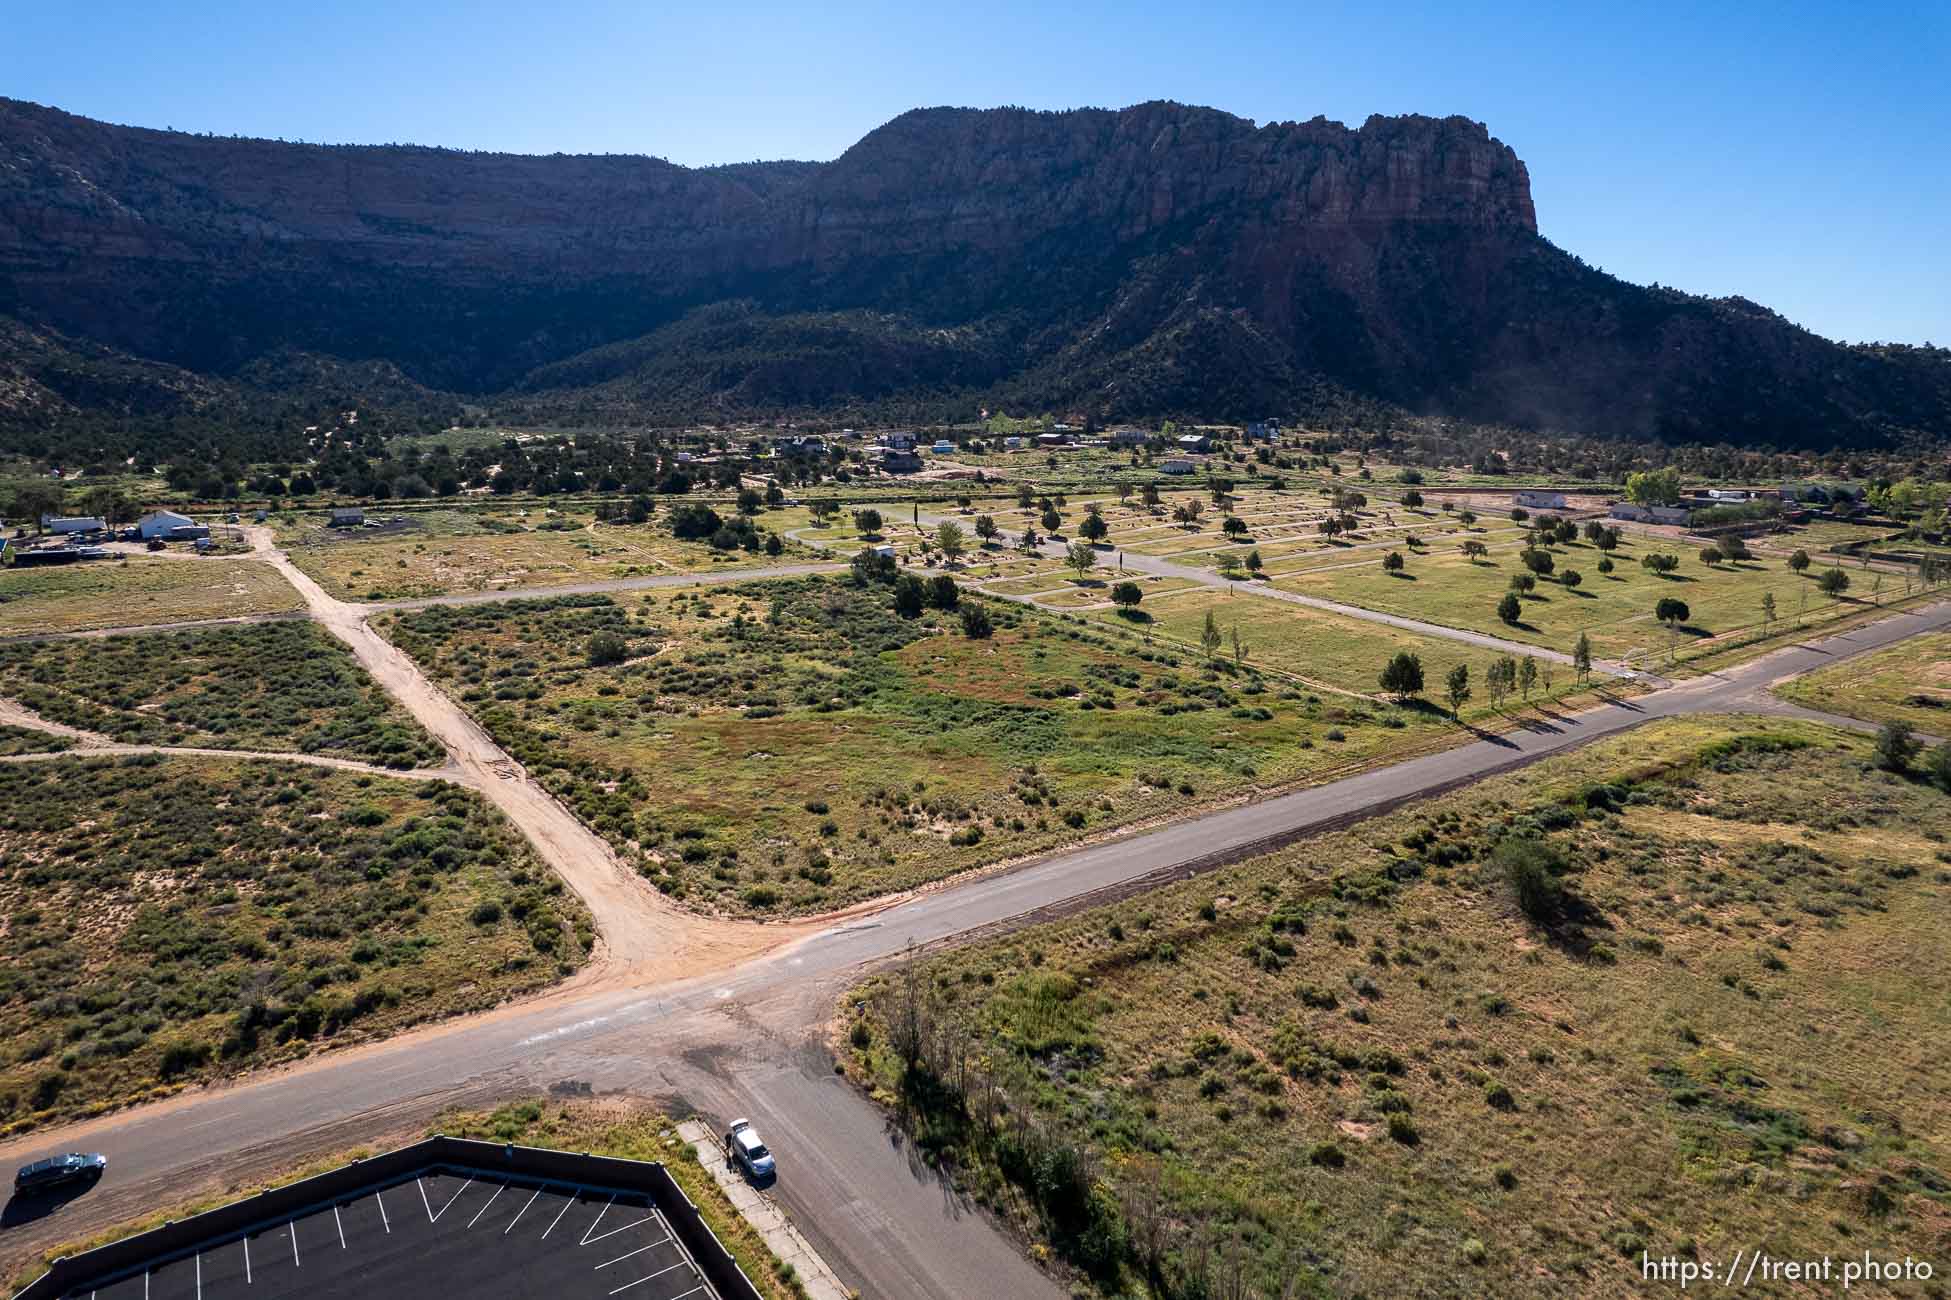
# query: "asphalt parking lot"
(447, 1236)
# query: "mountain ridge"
(1158, 260)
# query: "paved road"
(748, 1041)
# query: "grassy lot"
(1823, 534)
(256, 686)
(1359, 1062)
(114, 593)
(1615, 610)
(796, 745)
(438, 552)
(171, 919)
(1337, 652)
(26, 740)
(1908, 682)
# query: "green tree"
(1712, 555)
(1582, 658)
(31, 500)
(1671, 611)
(750, 501)
(1092, 527)
(605, 649)
(1508, 609)
(1896, 746)
(1523, 583)
(1570, 579)
(1767, 611)
(1081, 556)
(1653, 487)
(1234, 527)
(1833, 582)
(1527, 676)
(1532, 868)
(1474, 550)
(985, 528)
(1605, 564)
(1799, 561)
(910, 597)
(943, 593)
(1051, 520)
(1456, 689)
(868, 522)
(1209, 637)
(1938, 766)
(1253, 561)
(1392, 562)
(1126, 595)
(951, 541)
(1402, 676)
(1539, 562)
(975, 622)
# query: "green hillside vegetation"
(795, 745)
(169, 920)
(266, 686)
(26, 740)
(1680, 992)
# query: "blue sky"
(1798, 154)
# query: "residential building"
(67, 524)
(348, 517)
(1128, 437)
(1536, 500)
(898, 461)
(1194, 442)
(164, 523)
(1176, 466)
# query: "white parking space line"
(558, 1218)
(294, 1243)
(499, 1189)
(423, 1199)
(199, 1277)
(652, 1275)
(591, 1241)
(519, 1213)
(387, 1223)
(450, 1200)
(599, 1219)
(247, 1261)
(341, 1223)
(638, 1251)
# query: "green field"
(797, 745)
(1330, 649)
(132, 593)
(1908, 682)
(266, 686)
(1615, 610)
(1359, 1066)
(441, 552)
(175, 920)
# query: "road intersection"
(730, 1017)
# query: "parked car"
(59, 1171)
(743, 1146)
(157, 544)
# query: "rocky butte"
(1157, 260)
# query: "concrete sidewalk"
(763, 1213)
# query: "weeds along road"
(750, 1038)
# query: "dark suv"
(58, 1171)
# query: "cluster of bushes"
(167, 919)
(285, 685)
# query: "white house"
(1534, 500)
(1127, 437)
(1177, 466)
(1194, 442)
(162, 523)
